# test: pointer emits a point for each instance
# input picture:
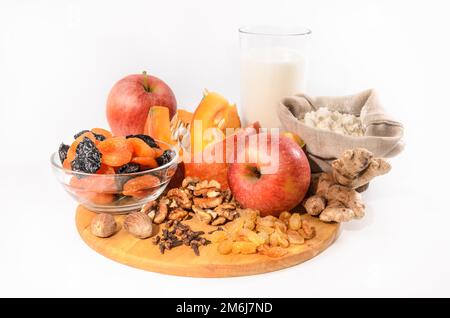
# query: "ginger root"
(335, 197)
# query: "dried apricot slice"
(116, 151)
(66, 164)
(98, 198)
(147, 162)
(140, 148)
(73, 147)
(141, 187)
(94, 189)
(105, 169)
(158, 152)
(102, 132)
(97, 184)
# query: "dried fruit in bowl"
(141, 187)
(94, 189)
(147, 162)
(73, 147)
(115, 151)
(98, 151)
(87, 157)
(148, 140)
(129, 168)
(101, 134)
(94, 184)
(140, 148)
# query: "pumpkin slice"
(214, 111)
(157, 124)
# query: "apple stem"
(145, 80)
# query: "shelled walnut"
(204, 199)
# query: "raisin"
(165, 157)
(129, 168)
(99, 137)
(148, 140)
(80, 133)
(87, 157)
(62, 151)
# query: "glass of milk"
(273, 66)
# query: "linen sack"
(382, 134)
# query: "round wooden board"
(181, 261)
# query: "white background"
(58, 60)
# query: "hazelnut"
(103, 225)
(138, 224)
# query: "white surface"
(59, 59)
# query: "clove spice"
(176, 234)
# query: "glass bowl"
(116, 193)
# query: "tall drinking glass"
(273, 65)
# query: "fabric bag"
(382, 134)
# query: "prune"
(165, 157)
(99, 137)
(80, 133)
(148, 140)
(87, 157)
(62, 151)
(129, 168)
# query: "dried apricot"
(98, 198)
(66, 164)
(115, 151)
(105, 169)
(141, 187)
(140, 148)
(158, 152)
(147, 162)
(97, 184)
(101, 132)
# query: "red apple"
(130, 100)
(255, 185)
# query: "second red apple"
(254, 186)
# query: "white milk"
(267, 75)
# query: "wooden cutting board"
(181, 261)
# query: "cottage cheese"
(334, 121)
